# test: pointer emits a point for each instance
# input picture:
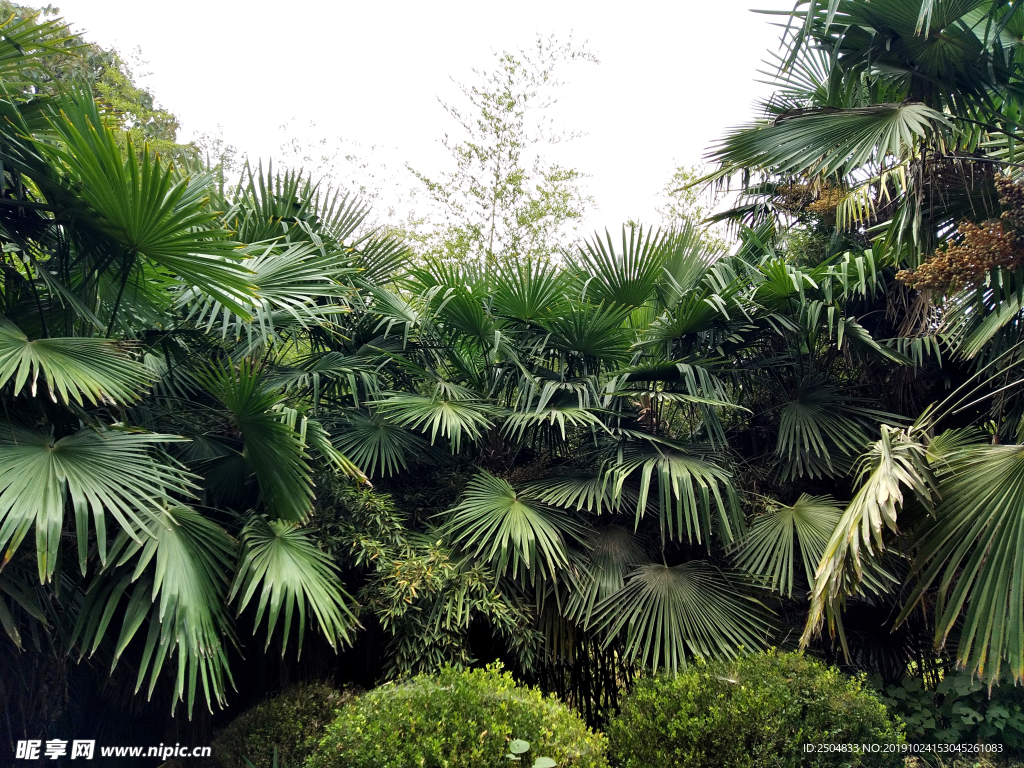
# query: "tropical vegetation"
(247, 437)
(459, 719)
(757, 709)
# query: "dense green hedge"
(756, 711)
(456, 719)
(291, 723)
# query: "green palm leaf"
(290, 282)
(557, 413)
(143, 207)
(627, 278)
(455, 413)
(822, 426)
(507, 526)
(177, 581)
(74, 369)
(614, 552)
(670, 615)
(686, 479)
(272, 448)
(528, 290)
(95, 472)
(831, 141)
(972, 552)
(896, 462)
(26, 43)
(380, 447)
(590, 492)
(284, 565)
(596, 332)
(769, 549)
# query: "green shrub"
(455, 719)
(291, 723)
(960, 710)
(757, 710)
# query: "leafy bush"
(455, 719)
(757, 710)
(291, 723)
(960, 710)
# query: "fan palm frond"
(769, 549)
(178, 583)
(94, 472)
(822, 425)
(282, 563)
(687, 479)
(673, 614)
(454, 413)
(75, 370)
(273, 449)
(627, 278)
(971, 552)
(511, 528)
(142, 207)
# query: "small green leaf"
(518, 746)
(544, 762)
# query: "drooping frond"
(283, 565)
(672, 614)
(769, 549)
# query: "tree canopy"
(238, 418)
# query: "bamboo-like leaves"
(74, 370)
(281, 563)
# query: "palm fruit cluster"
(801, 197)
(978, 248)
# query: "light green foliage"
(503, 200)
(132, 108)
(423, 594)
(755, 711)
(142, 121)
(285, 727)
(684, 200)
(455, 719)
(960, 709)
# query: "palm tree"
(147, 441)
(897, 120)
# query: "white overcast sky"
(673, 75)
